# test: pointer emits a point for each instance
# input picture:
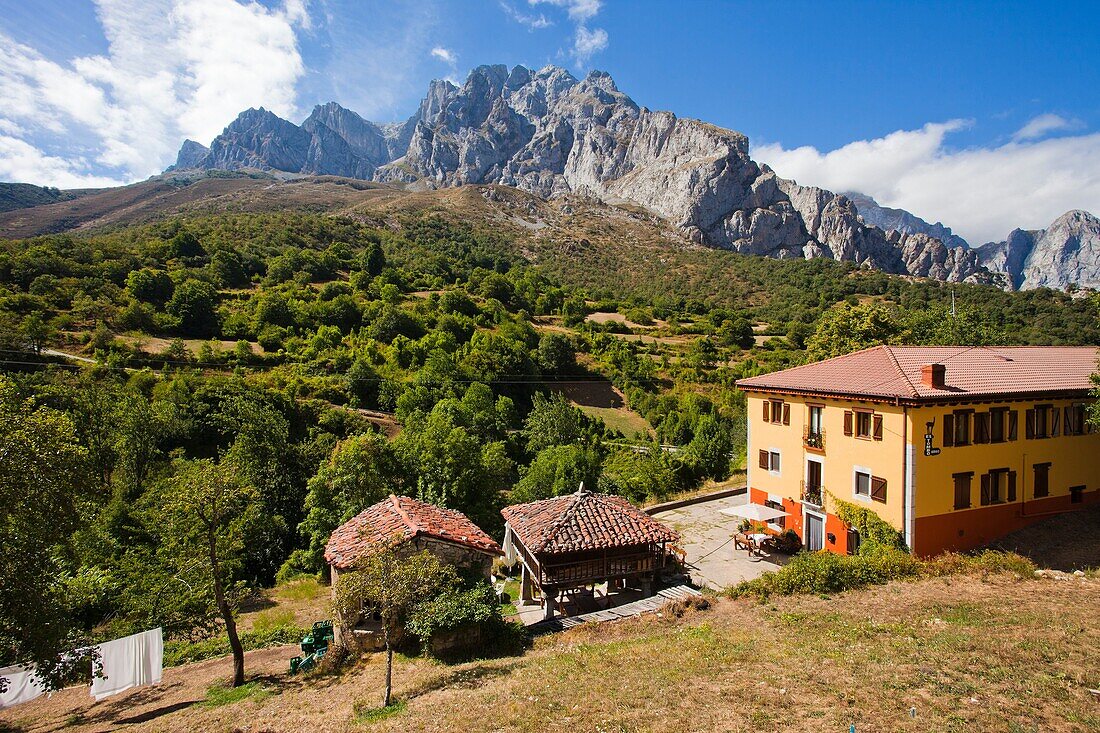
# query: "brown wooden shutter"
(786, 413)
(1011, 486)
(847, 422)
(985, 489)
(948, 430)
(764, 462)
(1068, 420)
(1056, 420)
(1013, 418)
(981, 427)
(877, 429)
(878, 489)
(1029, 424)
(767, 411)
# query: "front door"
(814, 532)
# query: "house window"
(1039, 421)
(853, 541)
(777, 412)
(997, 424)
(1042, 480)
(981, 427)
(769, 460)
(863, 425)
(962, 427)
(778, 524)
(1076, 494)
(863, 484)
(998, 486)
(962, 489)
(1075, 419)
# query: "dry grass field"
(950, 654)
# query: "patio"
(706, 536)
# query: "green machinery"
(314, 646)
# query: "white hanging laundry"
(128, 662)
(23, 686)
(509, 546)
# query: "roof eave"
(916, 401)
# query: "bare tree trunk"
(389, 665)
(227, 615)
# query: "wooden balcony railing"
(584, 571)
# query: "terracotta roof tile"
(894, 372)
(397, 519)
(583, 521)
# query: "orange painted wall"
(976, 527)
(794, 520)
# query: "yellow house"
(953, 446)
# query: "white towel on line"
(23, 686)
(128, 662)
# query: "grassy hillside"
(956, 654)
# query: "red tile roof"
(583, 521)
(894, 373)
(399, 519)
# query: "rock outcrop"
(900, 220)
(551, 134)
(1065, 253)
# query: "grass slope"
(948, 654)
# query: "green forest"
(316, 364)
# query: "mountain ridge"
(551, 134)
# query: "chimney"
(933, 375)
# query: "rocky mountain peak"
(548, 133)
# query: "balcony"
(813, 440)
(813, 494)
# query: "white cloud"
(586, 41)
(21, 161)
(1044, 124)
(445, 55)
(173, 69)
(533, 22)
(579, 10)
(982, 193)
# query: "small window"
(998, 486)
(997, 424)
(962, 427)
(863, 424)
(778, 524)
(1038, 421)
(853, 541)
(769, 460)
(981, 427)
(777, 412)
(1076, 494)
(962, 489)
(863, 484)
(1075, 419)
(815, 420)
(1042, 480)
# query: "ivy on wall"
(873, 530)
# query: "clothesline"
(125, 663)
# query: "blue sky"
(980, 114)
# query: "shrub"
(178, 651)
(874, 531)
(826, 572)
(452, 609)
(985, 562)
